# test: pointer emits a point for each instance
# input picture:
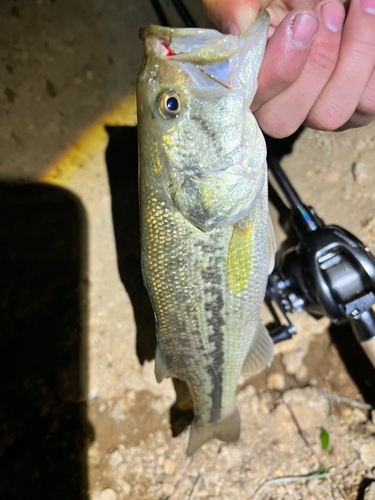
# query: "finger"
(344, 91)
(365, 112)
(233, 16)
(366, 105)
(285, 56)
(282, 115)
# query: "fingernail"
(333, 15)
(369, 6)
(231, 28)
(304, 28)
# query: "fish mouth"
(197, 45)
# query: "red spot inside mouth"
(168, 51)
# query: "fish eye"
(169, 104)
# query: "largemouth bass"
(206, 239)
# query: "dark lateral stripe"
(214, 305)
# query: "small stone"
(370, 492)
(276, 381)
(302, 374)
(312, 485)
(293, 361)
(332, 177)
(360, 145)
(167, 489)
(278, 472)
(115, 458)
(126, 487)
(102, 408)
(108, 494)
(367, 452)
(169, 466)
(359, 416)
(93, 393)
(360, 173)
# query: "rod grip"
(369, 347)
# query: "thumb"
(232, 16)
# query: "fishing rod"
(321, 269)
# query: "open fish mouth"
(197, 44)
(213, 53)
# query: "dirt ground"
(283, 409)
(92, 423)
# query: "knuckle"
(363, 44)
(324, 59)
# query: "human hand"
(318, 68)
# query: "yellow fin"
(240, 257)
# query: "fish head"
(193, 95)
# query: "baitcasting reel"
(321, 269)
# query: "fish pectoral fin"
(271, 246)
(240, 258)
(227, 429)
(161, 370)
(260, 353)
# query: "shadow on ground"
(357, 363)
(43, 289)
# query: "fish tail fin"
(260, 353)
(227, 429)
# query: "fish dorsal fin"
(271, 246)
(227, 429)
(260, 353)
(161, 370)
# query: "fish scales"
(204, 216)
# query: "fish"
(207, 243)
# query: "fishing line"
(184, 13)
(181, 10)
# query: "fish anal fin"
(227, 429)
(260, 353)
(161, 370)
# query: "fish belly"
(206, 290)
